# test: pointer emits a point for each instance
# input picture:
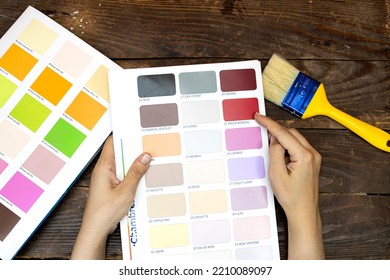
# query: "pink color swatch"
(21, 191)
(44, 164)
(3, 165)
(251, 228)
(243, 138)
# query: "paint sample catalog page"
(54, 116)
(206, 194)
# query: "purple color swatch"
(21, 191)
(249, 198)
(255, 253)
(210, 232)
(246, 168)
(243, 138)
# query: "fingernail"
(146, 159)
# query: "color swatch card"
(54, 116)
(206, 194)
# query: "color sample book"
(206, 194)
(54, 116)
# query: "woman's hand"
(108, 202)
(294, 175)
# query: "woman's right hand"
(294, 175)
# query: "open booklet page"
(206, 194)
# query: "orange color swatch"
(86, 110)
(17, 62)
(99, 83)
(160, 145)
(51, 86)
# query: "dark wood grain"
(344, 44)
(354, 227)
(352, 30)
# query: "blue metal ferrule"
(300, 94)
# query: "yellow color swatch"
(167, 205)
(38, 36)
(86, 110)
(17, 62)
(161, 145)
(168, 236)
(98, 83)
(51, 86)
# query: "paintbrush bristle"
(278, 77)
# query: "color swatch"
(17, 62)
(54, 118)
(51, 85)
(44, 164)
(30, 112)
(75, 66)
(8, 221)
(86, 110)
(98, 83)
(65, 137)
(37, 29)
(7, 89)
(21, 191)
(14, 139)
(206, 194)
(3, 165)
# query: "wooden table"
(345, 44)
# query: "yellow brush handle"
(320, 105)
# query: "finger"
(277, 166)
(284, 137)
(107, 155)
(105, 166)
(301, 138)
(277, 157)
(307, 145)
(273, 140)
(137, 169)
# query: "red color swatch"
(240, 109)
(238, 80)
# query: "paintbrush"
(303, 96)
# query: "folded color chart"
(54, 116)
(206, 194)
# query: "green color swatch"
(65, 137)
(30, 112)
(7, 88)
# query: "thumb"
(137, 169)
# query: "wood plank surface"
(354, 227)
(300, 29)
(344, 44)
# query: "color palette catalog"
(54, 117)
(206, 194)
